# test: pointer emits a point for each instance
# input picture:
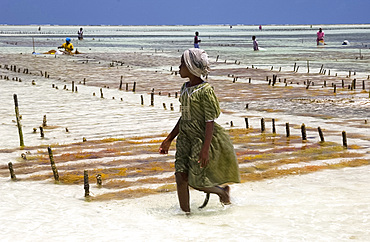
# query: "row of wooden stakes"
(99, 177)
(56, 174)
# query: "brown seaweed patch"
(167, 188)
(350, 163)
(39, 177)
(275, 173)
(76, 177)
(270, 110)
(125, 194)
(109, 140)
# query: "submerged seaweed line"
(265, 156)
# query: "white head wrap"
(196, 61)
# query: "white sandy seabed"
(332, 205)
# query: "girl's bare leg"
(183, 191)
(222, 192)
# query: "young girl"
(205, 156)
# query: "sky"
(172, 12)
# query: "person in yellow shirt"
(68, 46)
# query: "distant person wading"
(80, 34)
(255, 43)
(196, 40)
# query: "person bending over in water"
(205, 156)
(68, 46)
(320, 36)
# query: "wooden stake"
(12, 174)
(53, 166)
(33, 45)
(273, 126)
(274, 77)
(321, 135)
(262, 125)
(152, 99)
(142, 99)
(246, 123)
(120, 84)
(303, 130)
(308, 66)
(86, 183)
(99, 181)
(73, 86)
(41, 132)
(344, 136)
(287, 129)
(101, 93)
(134, 88)
(21, 143)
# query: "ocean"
(327, 205)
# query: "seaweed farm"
(91, 126)
(122, 143)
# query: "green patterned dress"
(199, 104)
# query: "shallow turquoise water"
(281, 45)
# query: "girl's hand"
(204, 157)
(163, 149)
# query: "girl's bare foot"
(225, 198)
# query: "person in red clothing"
(320, 37)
